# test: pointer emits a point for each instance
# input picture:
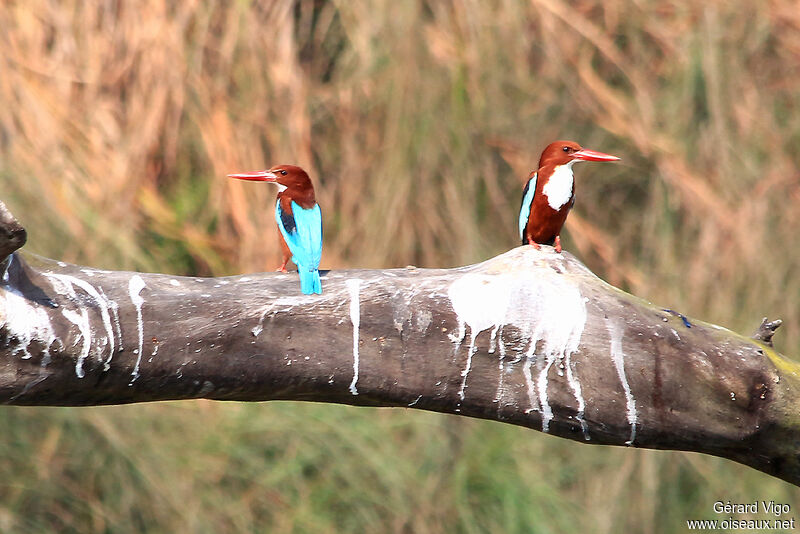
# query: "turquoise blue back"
(525, 209)
(305, 243)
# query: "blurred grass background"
(418, 122)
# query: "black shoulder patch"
(524, 192)
(287, 219)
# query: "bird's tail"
(309, 281)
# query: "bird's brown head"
(564, 152)
(292, 181)
(288, 177)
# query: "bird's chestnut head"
(286, 176)
(566, 152)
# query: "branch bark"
(531, 338)
(12, 234)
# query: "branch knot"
(12, 234)
(767, 329)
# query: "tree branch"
(12, 234)
(530, 338)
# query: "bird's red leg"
(558, 243)
(282, 268)
(534, 243)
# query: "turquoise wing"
(525, 208)
(302, 230)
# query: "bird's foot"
(558, 244)
(535, 245)
(282, 268)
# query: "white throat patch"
(281, 187)
(558, 188)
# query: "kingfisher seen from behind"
(299, 221)
(550, 193)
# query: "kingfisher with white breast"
(299, 221)
(550, 193)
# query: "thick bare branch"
(531, 338)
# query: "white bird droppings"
(543, 306)
(114, 307)
(353, 286)
(615, 333)
(64, 284)
(531, 387)
(576, 390)
(135, 286)
(81, 320)
(24, 322)
(8, 267)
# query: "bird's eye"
(283, 172)
(566, 149)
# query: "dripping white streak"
(530, 356)
(576, 389)
(500, 345)
(458, 338)
(498, 396)
(115, 312)
(257, 329)
(493, 339)
(135, 286)
(355, 318)
(526, 372)
(102, 303)
(619, 362)
(465, 372)
(502, 368)
(114, 308)
(462, 333)
(8, 268)
(547, 412)
(81, 320)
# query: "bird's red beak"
(260, 176)
(590, 155)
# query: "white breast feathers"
(558, 188)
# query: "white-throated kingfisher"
(549, 193)
(299, 221)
